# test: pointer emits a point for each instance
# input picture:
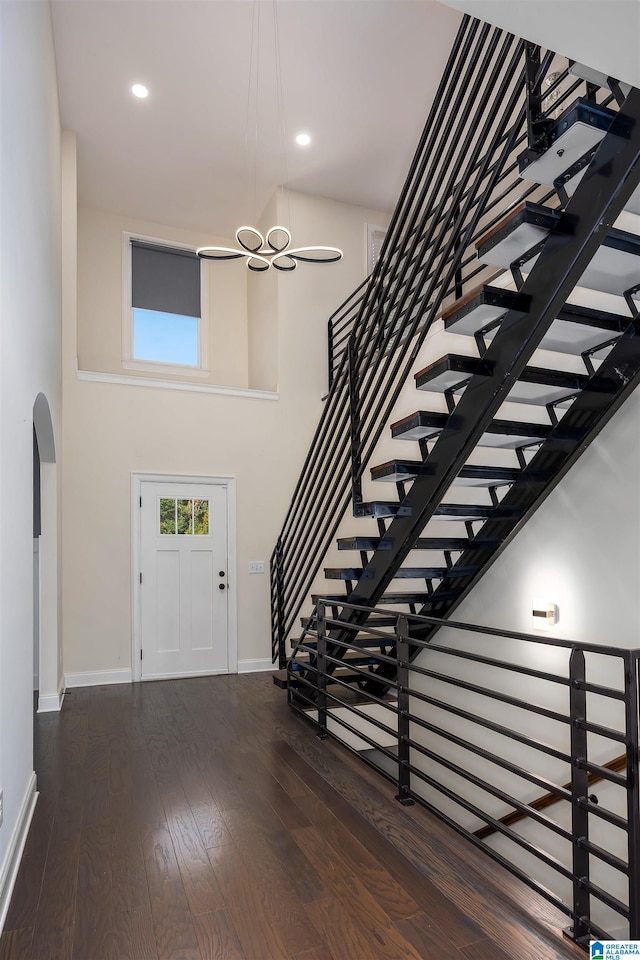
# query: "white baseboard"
(98, 678)
(255, 666)
(102, 677)
(52, 703)
(9, 869)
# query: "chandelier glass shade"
(274, 250)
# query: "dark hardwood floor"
(203, 820)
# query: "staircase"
(548, 261)
(516, 243)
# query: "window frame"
(371, 229)
(161, 367)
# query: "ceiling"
(357, 75)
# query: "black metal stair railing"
(463, 180)
(559, 92)
(441, 737)
(567, 253)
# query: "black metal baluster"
(579, 793)
(330, 355)
(633, 791)
(354, 421)
(403, 658)
(282, 636)
(321, 667)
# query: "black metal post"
(354, 420)
(534, 94)
(633, 792)
(458, 279)
(330, 374)
(403, 655)
(321, 667)
(579, 792)
(279, 586)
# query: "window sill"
(150, 366)
(99, 377)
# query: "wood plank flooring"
(202, 820)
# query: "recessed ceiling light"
(303, 139)
(139, 90)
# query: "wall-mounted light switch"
(256, 566)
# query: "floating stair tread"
(576, 329)
(501, 433)
(479, 475)
(541, 385)
(517, 232)
(400, 598)
(535, 385)
(419, 426)
(357, 698)
(546, 167)
(484, 307)
(403, 573)
(396, 470)
(470, 475)
(613, 269)
(382, 509)
(377, 621)
(444, 511)
(423, 543)
(466, 511)
(365, 639)
(350, 656)
(595, 76)
(576, 131)
(345, 673)
(448, 372)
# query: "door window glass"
(185, 517)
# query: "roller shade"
(165, 279)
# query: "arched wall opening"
(46, 637)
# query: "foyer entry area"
(198, 819)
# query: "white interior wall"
(604, 34)
(100, 299)
(29, 364)
(302, 295)
(262, 315)
(113, 430)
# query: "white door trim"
(136, 548)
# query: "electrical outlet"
(1, 806)
(256, 566)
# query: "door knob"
(221, 586)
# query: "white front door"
(183, 579)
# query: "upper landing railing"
(529, 713)
(462, 181)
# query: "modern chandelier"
(274, 249)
